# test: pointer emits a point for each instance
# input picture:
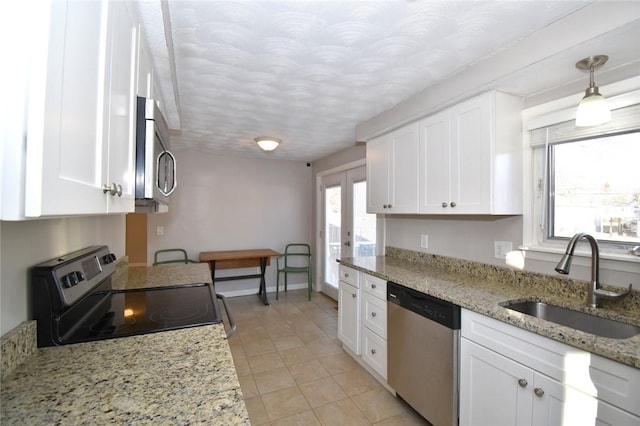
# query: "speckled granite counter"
(481, 288)
(184, 376)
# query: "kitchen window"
(586, 180)
(593, 187)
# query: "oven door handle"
(232, 323)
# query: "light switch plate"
(160, 230)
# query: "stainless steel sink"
(602, 327)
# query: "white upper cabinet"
(471, 158)
(392, 172)
(80, 126)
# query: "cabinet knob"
(112, 189)
(346, 275)
(373, 286)
(354, 295)
(444, 205)
(539, 392)
(373, 351)
(523, 383)
(389, 205)
(384, 206)
(373, 314)
(453, 204)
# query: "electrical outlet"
(501, 248)
(424, 241)
(159, 230)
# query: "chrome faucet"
(594, 292)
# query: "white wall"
(27, 243)
(229, 203)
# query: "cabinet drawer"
(374, 285)
(349, 275)
(374, 352)
(374, 314)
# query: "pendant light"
(267, 143)
(593, 109)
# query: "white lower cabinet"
(362, 319)
(509, 376)
(349, 309)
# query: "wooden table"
(234, 259)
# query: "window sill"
(609, 260)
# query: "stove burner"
(179, 314)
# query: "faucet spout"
(594, 293)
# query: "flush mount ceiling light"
(267, 143)
(593, 109)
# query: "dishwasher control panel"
(438, 310)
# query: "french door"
(348, 230)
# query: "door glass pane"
(364, 224)
(333, 226)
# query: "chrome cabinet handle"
(353, 295)
(444, 204)
(373, 351)
(523, 383)
(373, 314)
(453, 204)
(373, 286)
(539, 392)
(112, 189)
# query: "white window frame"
(535, 246)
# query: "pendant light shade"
(593, 109)
(267, 143)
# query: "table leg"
(212, 266)
(263, 285)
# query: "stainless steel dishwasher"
(423, 335)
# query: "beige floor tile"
(282, 331)
(338, 363)
(341, 413)
(309, 371)
(242, 365)
(323, 346)
(253, 333)
(284, 403)
(356, 381)
(296, 355)
(378, 404)
(248, 386)
(258, 346)
(287, 342)
(306, 418)
(322, 391)
(273, 380)
(257, 413)
(404, 419)
(264, 362)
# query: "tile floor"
(293, 371)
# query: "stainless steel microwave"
(155, 164)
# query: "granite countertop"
(184, 376)
(484, 292)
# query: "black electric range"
(73, 301)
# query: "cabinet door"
(494, 390)
(403, 165)
(120, 95)
(471, 153)
(557, 404)
(349, 316)
(65, 156)
(435, 138)
(378, 175)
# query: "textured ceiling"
(308, 72)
